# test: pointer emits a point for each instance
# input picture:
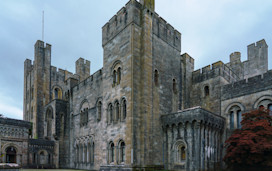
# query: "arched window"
(116, 73)
(174, 86)
(84, 117)
(124, 109)
(239, 118)
(92, 153)
(114, 77)
(77, 154)
(116, 106)
(180, 152)
(156, 77)
(43, 158)
(84, 113)
(99, 110)
(110, 114)
(32, 92)
(81, 153)
(57, 93)
(119, 75)
(231, 120)
(111, 152)
(85, 159)
(122, 153)
(49, 158)
(235, 116)
(49, 117)
(34, 158)
(10, 155)
(206, 91)
(269, 107)
(31, 113)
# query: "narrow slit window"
(206, 91)
(156, 77)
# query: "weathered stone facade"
(14, 141)
(140, 110)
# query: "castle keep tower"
(143, 45)
(37, 87)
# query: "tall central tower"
(143, 45)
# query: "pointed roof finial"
(148, 4)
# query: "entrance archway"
(10, 155)
(43, 157)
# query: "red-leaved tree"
(251, 146)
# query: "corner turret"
(82, 69)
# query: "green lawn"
(48, 170)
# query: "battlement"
(83, 68)
(235, 57)
(217, 69)
(94, 78)
(28, 66)
(259, 44)
(243, 87)
(166, 32)
(126, 15)
(254, 49)
(60, 74)
(188, 58)
(131, 13)
(41, 44)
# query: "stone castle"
(147, 108)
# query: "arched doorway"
(43, 157)
(10, 155)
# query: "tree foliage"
(252, 144)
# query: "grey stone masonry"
(199, 132)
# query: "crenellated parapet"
(215, 70)
(254, 48)
(96, 78)
(131, 13)
(248, 86)
(166, 32)
(58, 74)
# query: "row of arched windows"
(235, 113)
(117, 112)
(116, 153)
(85, 153)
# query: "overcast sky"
(211, 31)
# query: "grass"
(49, 170)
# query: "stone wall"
(196, 131)
(14, 133)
